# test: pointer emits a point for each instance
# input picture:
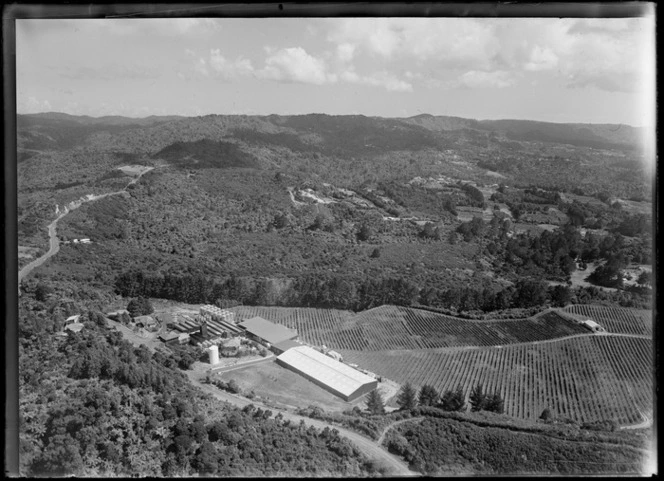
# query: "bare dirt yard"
(134, 170)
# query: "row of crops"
(616, 319)
(584, 379)
(392, 327)
(437, 330)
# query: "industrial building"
(217, 314)
(334, 376)
(281, 347)
(267, 332)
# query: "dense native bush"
(437, 446)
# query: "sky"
(548, 69)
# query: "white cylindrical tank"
(213, 352)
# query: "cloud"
(458, 41)
(229, 69)
(379, 79)
(480, 79)
(32, 105)
(607, 54)
(296, 65)
(345, 52)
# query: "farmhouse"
(593, 326)
(334, 376)
(266, 331)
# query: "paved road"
(394, 465)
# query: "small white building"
(72, 319)
(593, 326)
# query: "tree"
(140, 307)
(560, 296)
(546, 415)
(530, 293)
(477, 398)
(42, 292)
(453, 400)
(428, 395)
(407, 397)
(645, 279)
(364, 233)
(375, 403)
(494, 403)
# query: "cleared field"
(393, 327)
(278, 384)
(585, 379)
(615, 319)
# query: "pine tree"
(477, 398)
(407, 397)
(453, 400)
(494, 403)
(428, 395)
(375, 403)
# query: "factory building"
(217, 314)
(334, 376)
(267, 332)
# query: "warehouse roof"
(335, 374)
(269, 331)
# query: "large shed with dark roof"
(266, 331)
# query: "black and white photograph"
(282, 240)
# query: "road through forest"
(54, 243)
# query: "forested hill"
(318, 132)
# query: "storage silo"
(213, 352)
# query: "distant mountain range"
(333, 134)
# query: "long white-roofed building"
(332, 375)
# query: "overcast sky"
(559, 70)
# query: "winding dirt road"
(54, 243)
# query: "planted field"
(437, 330)
(392, 327)
(331, 327)
(585, 379)
(616, 319)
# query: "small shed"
(74, 327)
(72, 320)
(170, 337)
(593, 326)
